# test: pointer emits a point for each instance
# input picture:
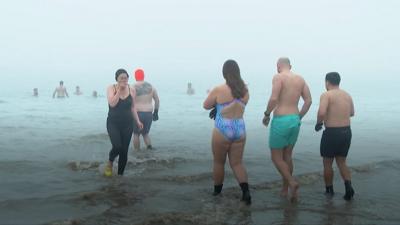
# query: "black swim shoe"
(217, 189)
(246, 197)
(329, 190)
(349, 191)
(245, 193)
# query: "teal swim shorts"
(284, 131)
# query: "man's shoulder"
(298, 76)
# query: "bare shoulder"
(299, 77)
(110, 87)
(325, 94)
(346, 93)
(277, 76)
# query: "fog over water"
(52, 151)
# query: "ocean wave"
(95, 137)
(150, 163)
(189, 178)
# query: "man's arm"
(306, 95)
(273, 100)
(156, 99)
(352, 108)
(54, 93)
(66, 93)
(323, 108)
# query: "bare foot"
(284, 191)
(294, 186)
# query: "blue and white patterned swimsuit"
(231, 129)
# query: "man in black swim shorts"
(145, 95)
(335, 109)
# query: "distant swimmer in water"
(35, 92)
(335, 109)
(228, 102)
(190, 90)
(94, 94)
(287, 89)
(61, 91)
(145, 95)
(121, 116)
(78, 91)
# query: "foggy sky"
(193, 38)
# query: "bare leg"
(328, 171)
(220, 148)
(344, 170)
(346, 175)
(147, 140)
(284, 170)
(328, 175)
(287, 157)
(136, 142)
(235, 155)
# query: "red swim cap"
(139, 75)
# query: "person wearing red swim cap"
(145, 95)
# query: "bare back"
(291, 89)
(144, 96)
(233, 110)
(340, 108)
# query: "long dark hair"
(231, 73)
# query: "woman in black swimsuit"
(121, 116)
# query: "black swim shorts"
(146, 118)
(335, 141)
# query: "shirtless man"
(287, 88)
(61, 91)
(335, 109)
(145, 94)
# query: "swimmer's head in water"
(120, 72)
(282, 63)
(139, 75)
(231, 72)
(333, 78)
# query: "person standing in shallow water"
(228, 102)
(61, 91)
(145, 94)
(35, 92)
(287, 88)
(190, 90)
(335, 109)
(121, 116)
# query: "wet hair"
(231, 73)
(333, 78)
(119, 72)
(61, 82)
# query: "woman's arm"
(211, 100)
(113, 95)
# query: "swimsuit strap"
(234, 100)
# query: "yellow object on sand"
(108, 171)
